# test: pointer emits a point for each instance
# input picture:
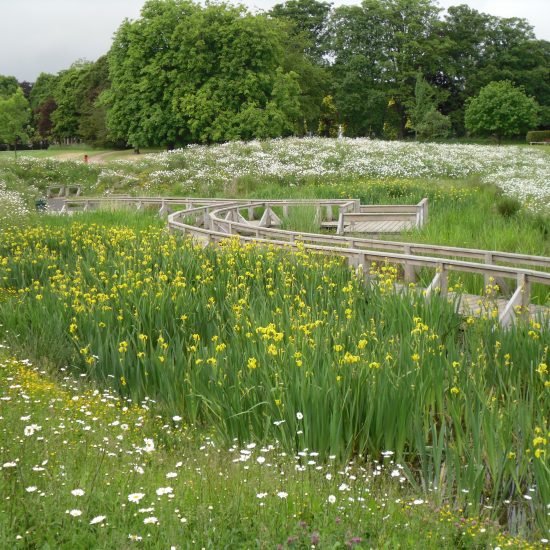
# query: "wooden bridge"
(211, 221)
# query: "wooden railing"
(214, 220)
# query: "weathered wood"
(221, 218)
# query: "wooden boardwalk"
(210, 221)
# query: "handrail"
(221, 219)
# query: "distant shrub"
(538, 135)
(508, 207)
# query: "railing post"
(488, 260)
(340, 228)
(250, 213)
(329, 212)
(444, 280)
(525, 286)
(409, 269)
(285, 210)
(425, 212)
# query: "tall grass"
(77, 459)
(303, 218)
(258, 344)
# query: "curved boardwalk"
(210, 221)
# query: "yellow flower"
(415, 357)
(349, 358)
(455, 390)
(252, 363)
(374, 365)
(338, 347)
(542, 369)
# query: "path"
(210, 221)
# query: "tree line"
(185, 72)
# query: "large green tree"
(66, 117)
(480, 48)
(501, 110)
(8, 86)
(378, 48)
(183, 72)
(14, 119)
(43, 104)
(310, 19)
(92, 123)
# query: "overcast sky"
(49, 35)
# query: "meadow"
(364, 407)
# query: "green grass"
(77, 152)
(72, 455)
(239, 339)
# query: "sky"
(49, 35)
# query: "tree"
(380, 46)
(426, 121)
(66, 118)
(501, 110)
(480, 48)
(92, 124)
(14, 118)
(310, 22)
(183, 73)
(8, 86)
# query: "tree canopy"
(185, 72)
(14, 118)
(501, 110)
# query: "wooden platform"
(374, 227)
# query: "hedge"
(540, 135)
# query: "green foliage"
(501, 110)
(539, 135)
(189, 73)
(66, 117)
(14, 119)
(8, 86)
(377, 46)
(310, 20)
(328, 121)
(426, 120)
(508, 206)
(480, 48)
(92, 126)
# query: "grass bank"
(263, 346)
(82, 468)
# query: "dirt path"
(99, 157)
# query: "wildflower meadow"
(157, 393)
